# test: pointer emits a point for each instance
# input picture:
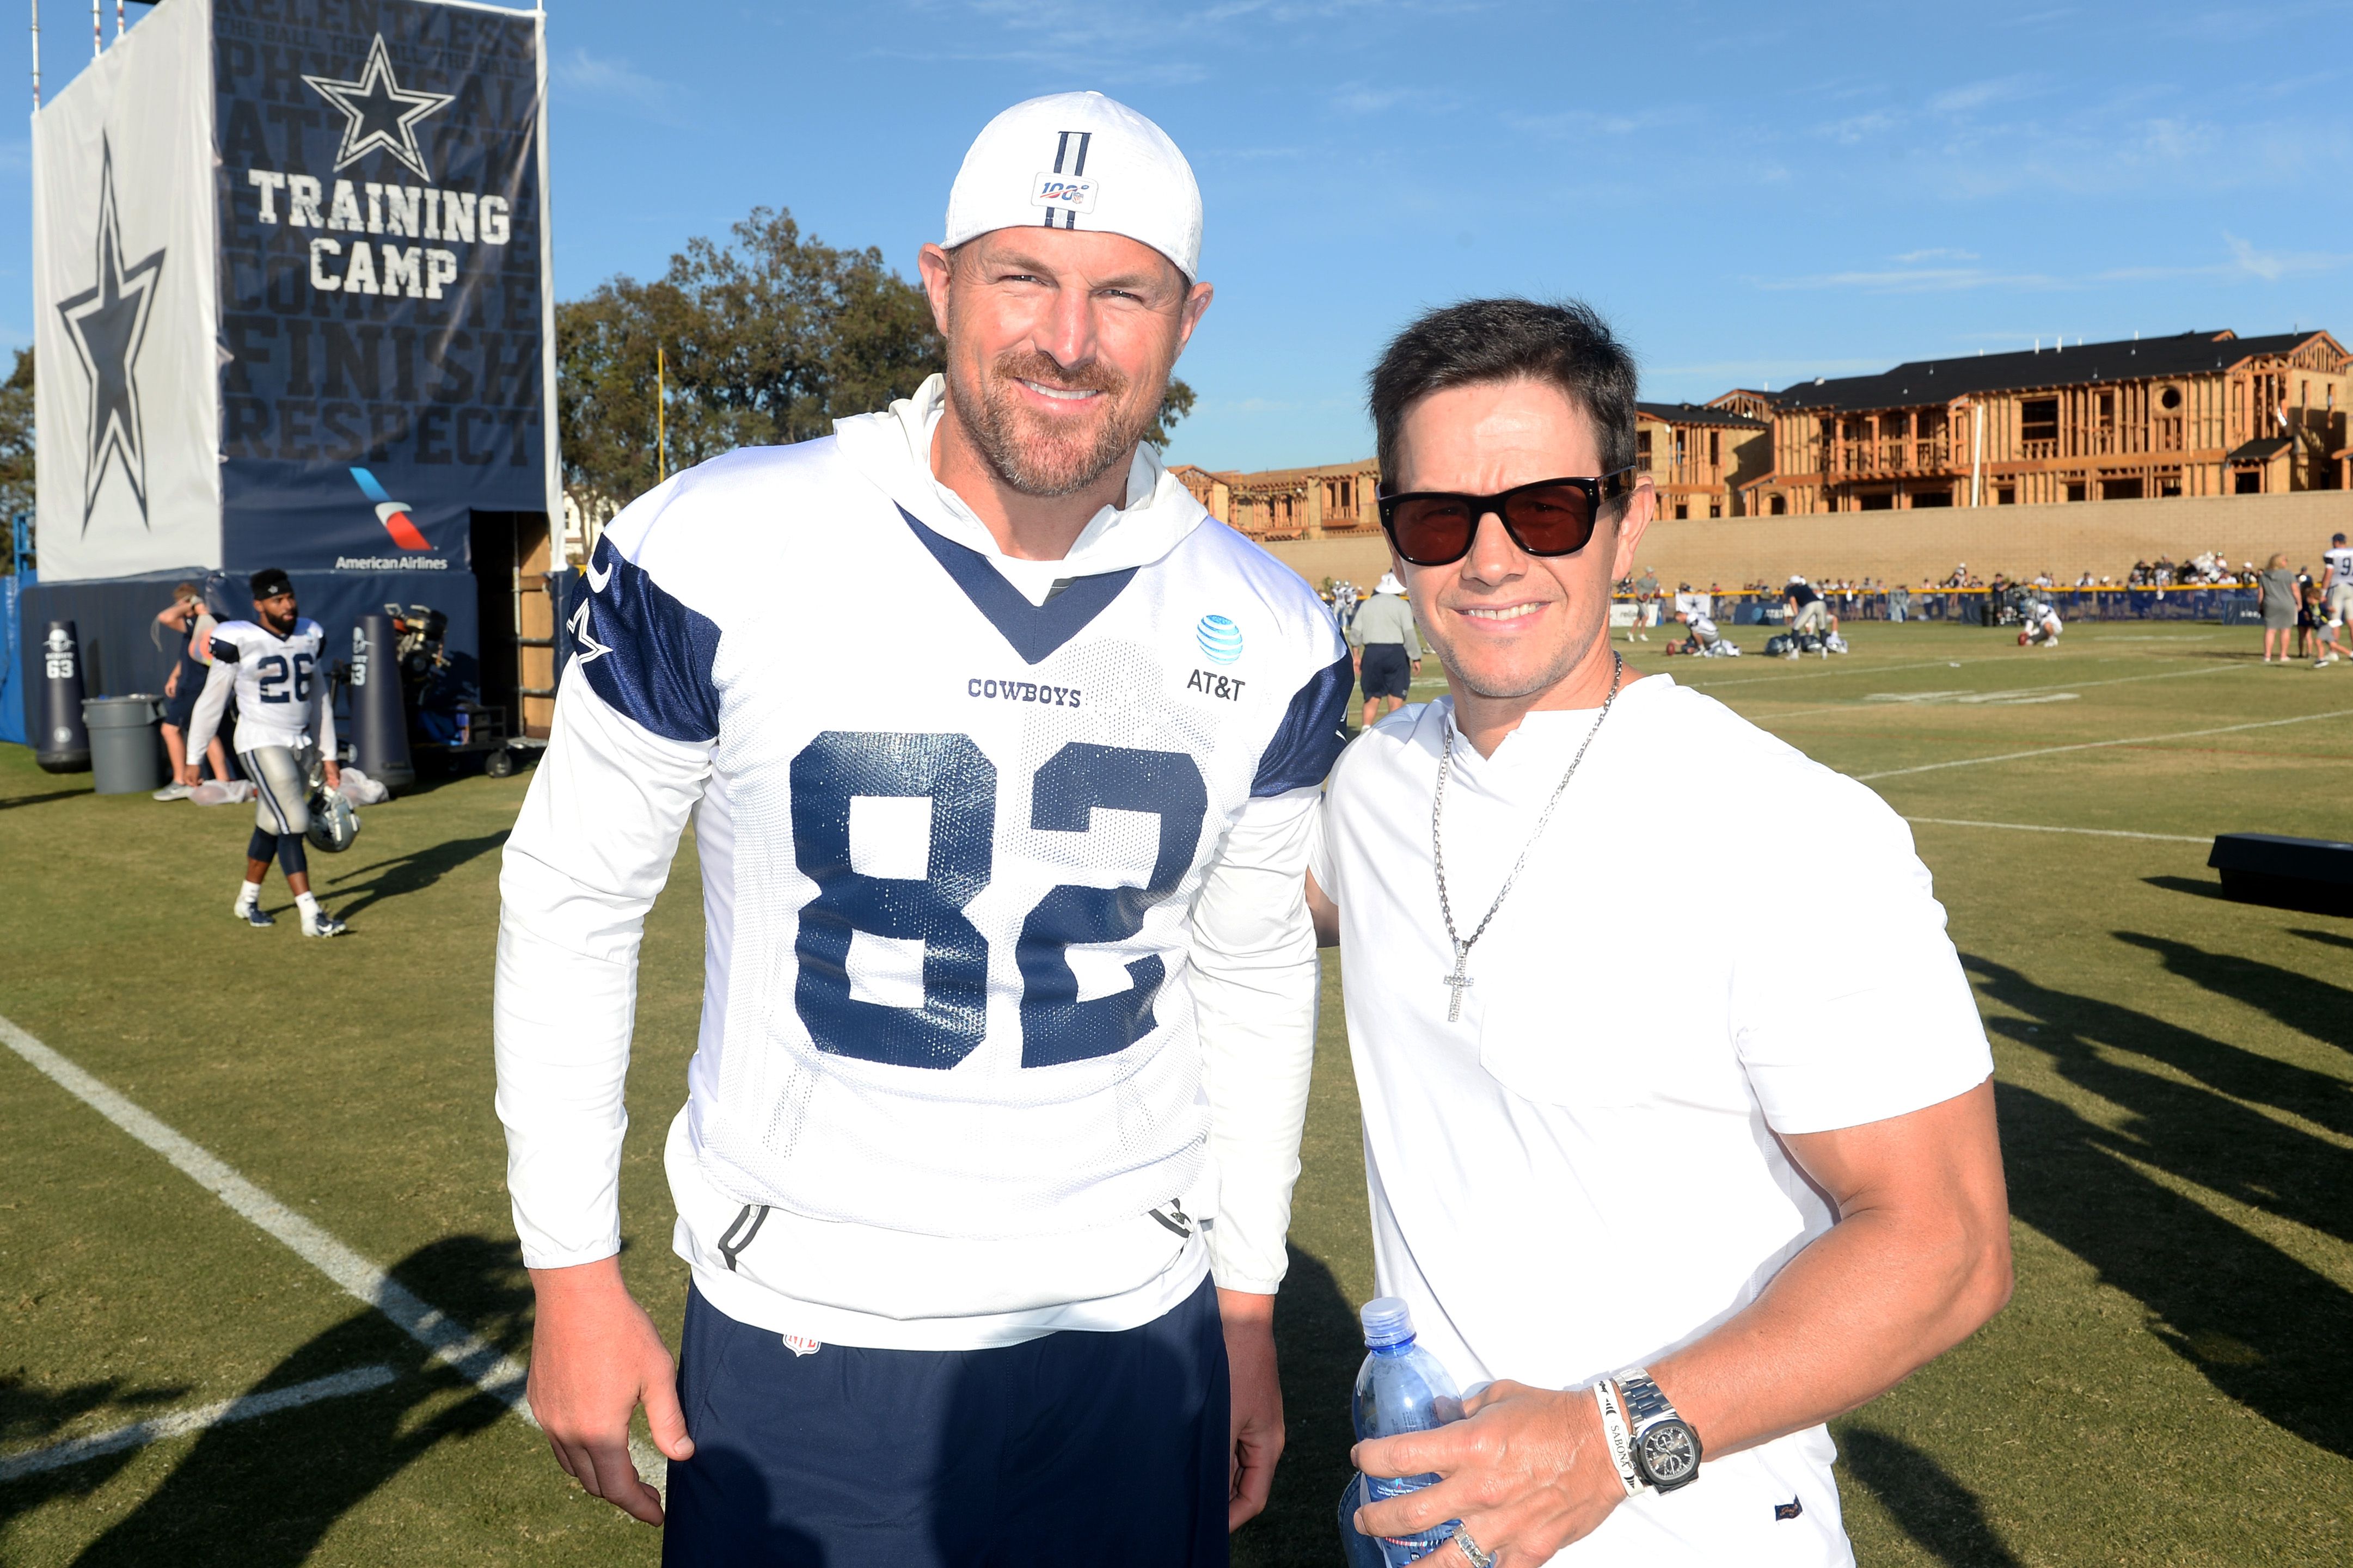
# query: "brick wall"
(2102, 537)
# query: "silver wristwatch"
(1666, 1449)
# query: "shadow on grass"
(1934, 1509)
(1317, 1341)
(2191, 885)
(2327, 938)
(33, 1417)
(406, 874)
(263, 1493)
(2307, 1005)
(11, 803)
(2260, 1326)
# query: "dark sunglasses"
(1550, 517)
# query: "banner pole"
(96, 41)
(662, 417)
(36, 54)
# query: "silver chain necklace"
(1460, 979)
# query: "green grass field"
(2169, 1386)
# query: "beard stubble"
(1035, 455)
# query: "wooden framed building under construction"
(1333, 500)
(2195, 415)
(2201, 413)
(1702, 457)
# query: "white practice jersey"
(1005, 943)
(2340, 559)
(281, 690)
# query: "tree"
(768, 337)
(1173, 408)
(16, 439)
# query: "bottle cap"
(1388, 1322)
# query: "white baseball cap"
(1079, 161)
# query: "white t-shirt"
(1581, 1175)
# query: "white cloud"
(1977, 94)
(1914, 257)
(2246, 262)
(611, 80)
(1362, 98)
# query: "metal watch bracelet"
(1647, 1407)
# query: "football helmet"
(333, 823)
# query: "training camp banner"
(366, 288)
(385, 326)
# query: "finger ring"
(1479, 1559)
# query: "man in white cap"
(1387, 648)
(1010, 991)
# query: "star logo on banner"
(378, 112)
(107, 323)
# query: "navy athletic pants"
(1078, 1448)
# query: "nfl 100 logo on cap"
(1062, 193)
(1220, 638)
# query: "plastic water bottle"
(1402, 1388)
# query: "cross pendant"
(1457, 981)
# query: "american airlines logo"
(393, 514)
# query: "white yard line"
(1903, 702)
(2039, 827)
(2096, 745)
(180, 1423)
(1732, 683)
(496, 1375)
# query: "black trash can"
(126, 743)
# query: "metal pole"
(36, 54)
(118, 21)
(661, 415)
(96, 40)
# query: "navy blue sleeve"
(224, 651)
(645, 653)
(1314, 728)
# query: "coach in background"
(1387, 649)
(1009, 988)
(1683, 1201)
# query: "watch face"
(1667, 1454)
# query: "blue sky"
(1751, 194)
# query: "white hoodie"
(1007, 964)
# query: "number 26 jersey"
(277, 681)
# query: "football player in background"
(1009, 988)
(284, 723)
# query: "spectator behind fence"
(1899, 601)
(2276, 592)
(187, 617)
(1387, 648)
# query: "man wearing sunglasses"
(1665, 1207)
